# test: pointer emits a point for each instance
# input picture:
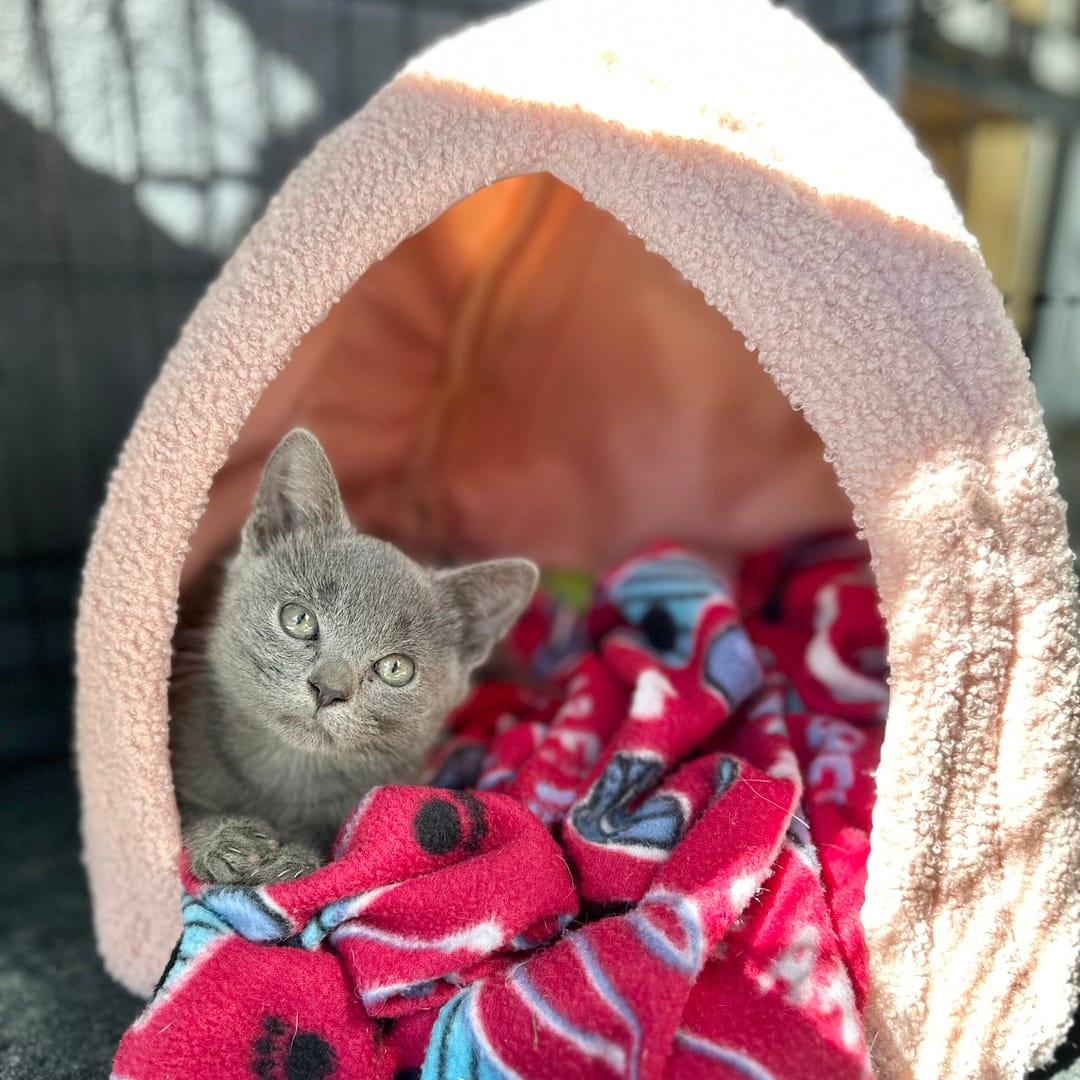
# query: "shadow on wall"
(81, 333)
(1066, 444)
(140, 141)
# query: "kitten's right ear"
(489, 596)
(298, 490)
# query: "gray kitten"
(331, 664)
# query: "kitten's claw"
(290, 862)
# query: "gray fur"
(264, 777)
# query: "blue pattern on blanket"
(248, 912)
(664, 597)
(456, 1049)
(732, 666)
(603, 818)
(201, 929)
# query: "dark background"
(138, 140)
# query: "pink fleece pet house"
(554, 291)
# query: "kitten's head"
(338, 642)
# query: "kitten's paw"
(231, 851)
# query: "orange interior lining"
(522, 376)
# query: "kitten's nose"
(327, 693)
(331, 682)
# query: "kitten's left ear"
(489, 597)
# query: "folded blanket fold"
(651, 867)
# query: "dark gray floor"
(61, 1016)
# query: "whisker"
(764, 798)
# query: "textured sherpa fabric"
(753, 160)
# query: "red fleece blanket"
(652, 866)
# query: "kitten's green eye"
(299, 622)
(395, 669)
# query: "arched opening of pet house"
(523, 377)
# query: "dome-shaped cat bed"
(454, 291)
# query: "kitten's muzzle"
(331, 681)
